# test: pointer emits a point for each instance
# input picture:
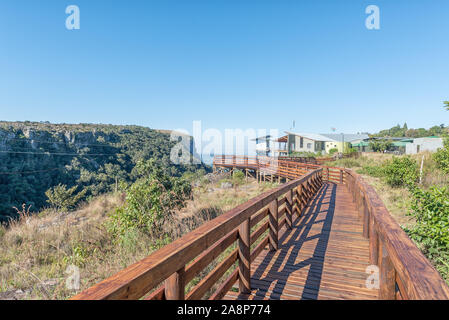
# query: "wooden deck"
(324, 256)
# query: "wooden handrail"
(405, 273)
(173, 263)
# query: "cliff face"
(37, 156)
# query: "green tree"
(381, 145)
(446, 105)
(62, 198)
(441, 157)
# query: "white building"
(270, 146)
(418, 145)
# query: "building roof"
(346, 137)
(361, 144)
(311, 136)
(282, 139)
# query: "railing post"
(328, 177)
(175, 286)
(289, 206)
(387, 276)
(245, 257)
(274, 225)
(341, 176)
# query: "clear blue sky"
(231, 64)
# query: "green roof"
(400, 143)
(360, 144)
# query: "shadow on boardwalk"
(271, 275)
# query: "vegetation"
(62, 198)
(430, 209)
(381, 145)
(333, 150)
(305, 154)
(442, 157)
(36, 251)
(36, 157)
(404, 131)
(149, 204)
(401, 171)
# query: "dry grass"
(37, 250)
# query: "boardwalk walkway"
(324, 256)
(340, 227)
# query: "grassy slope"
(36, 251)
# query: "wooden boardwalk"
(340, 227)
(324, 256)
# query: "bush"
(441, 157)
(333, 150)
(401, 172)
(430, 208)
(149, 204)
(238, 177)
(62, 198)
(350, 151)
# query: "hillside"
(35, 156)
(38, 250)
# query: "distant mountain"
(35, 156)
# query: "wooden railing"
(242, 232)
(283, 168)
(404, 272)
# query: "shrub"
(350, 151)
(441, 157)
(430, 208)
(333, 150)
(401, 172)
(238, 177)
(149, 204)
(62, 198)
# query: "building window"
(309, 146)
(301, 142)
